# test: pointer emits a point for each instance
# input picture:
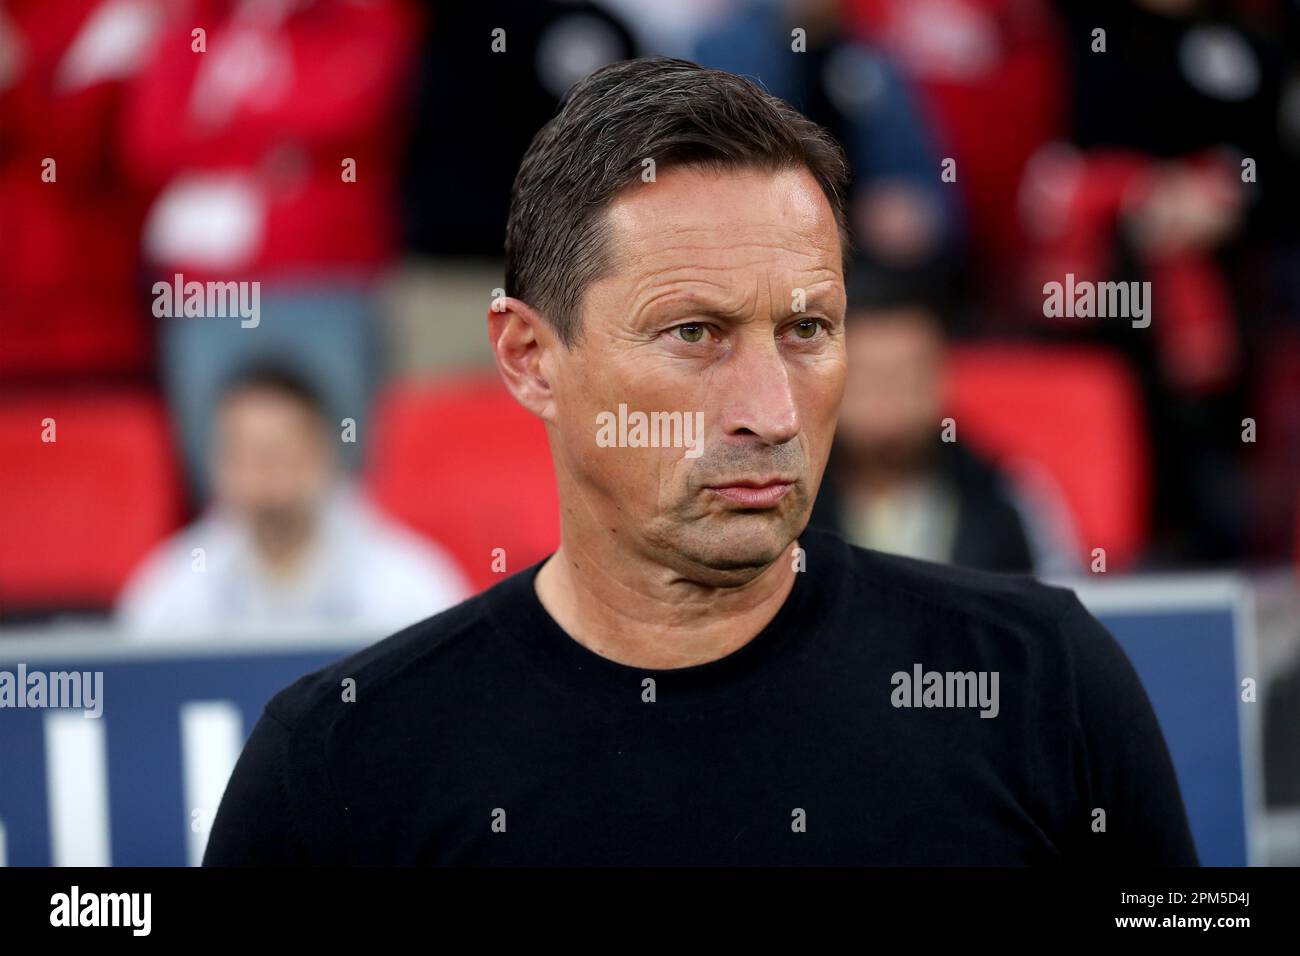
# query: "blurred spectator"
(991, 85)
(667, 27)
(893, 483)
(270, 131)
(287, 546)
(1173, 101)
(490, 74)
(520, 56)
(902, 215)
(69, 304)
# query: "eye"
(690, 333)
(807, 328)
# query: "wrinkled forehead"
(724, 222)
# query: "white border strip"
(1154, 593)
(107, 644)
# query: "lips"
(754, 492)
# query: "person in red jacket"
(269, 131)
(68, 242)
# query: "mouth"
(754, 492)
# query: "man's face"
(894, 392)
(725, 302)
(271, 464)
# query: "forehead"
(697, 218)
(262, 408)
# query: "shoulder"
(396, 560)
(1044, 624)
(951, 588)
(396, 554)
(165, 591)
(921, 591)
(428, 651)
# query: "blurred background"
(203, 506)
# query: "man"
(893, 484)
(690, 678)
(288, 547)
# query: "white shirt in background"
(364, 572)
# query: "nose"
(760, 400)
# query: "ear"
(521, 342)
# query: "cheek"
(578, 400)
(586, 424)
(672, 469)
(821, 392)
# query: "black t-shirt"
(487, 735)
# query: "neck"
(877, 483)
(641, 613)
(873, 478)
(282, 549)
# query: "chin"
(737, 546)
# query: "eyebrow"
(693, 304)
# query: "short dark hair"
(278, 376)
(672, 111)
(871, 292)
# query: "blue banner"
(138, 785)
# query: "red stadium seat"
(1077, 414)
(78, 513)
(459, 460)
